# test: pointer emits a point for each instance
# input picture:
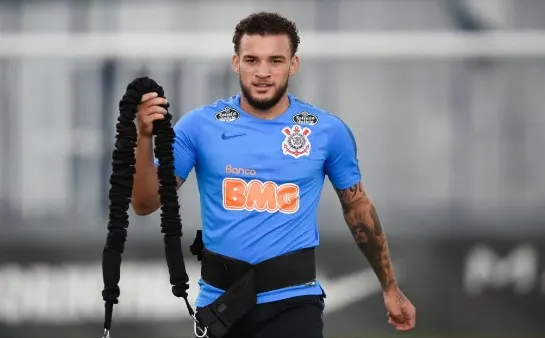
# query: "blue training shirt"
(260, 180)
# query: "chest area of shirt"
(279, 153)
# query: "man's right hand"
(150, 110)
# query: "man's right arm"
(145, 193)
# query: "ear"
(294, 65)
(235, 62)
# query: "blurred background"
(450, 133)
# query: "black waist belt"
(242, 281)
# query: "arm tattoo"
(400, 297)
(364, 224)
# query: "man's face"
(264, 65)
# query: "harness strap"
(219, 316)
(242, 282)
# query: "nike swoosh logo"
(228, 136)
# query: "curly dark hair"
(266, 23)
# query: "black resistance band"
(121, 184)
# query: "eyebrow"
(250, 56)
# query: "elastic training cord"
(121, 184)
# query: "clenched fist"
(150, 110)
(401, 312)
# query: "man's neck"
(269, 114)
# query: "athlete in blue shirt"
(260, 159)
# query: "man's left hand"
(401, 312)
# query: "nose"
(263, 71)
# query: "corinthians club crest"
(296, 143)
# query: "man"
(260, 159)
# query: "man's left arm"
(361, 217)
(363, 221)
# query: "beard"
(263, 104)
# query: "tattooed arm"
(364, 224)
(342, 168)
